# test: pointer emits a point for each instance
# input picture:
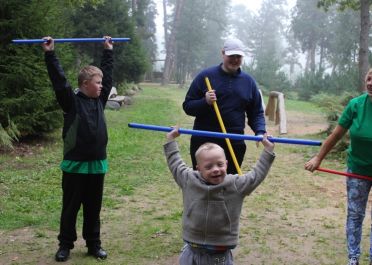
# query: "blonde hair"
(207, 147)
(87, 73)
(368, 73)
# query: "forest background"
(314, 51)
(318, 51)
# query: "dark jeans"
(238, 147)
(86, 190)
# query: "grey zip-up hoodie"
(211, 212)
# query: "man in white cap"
(237, 96)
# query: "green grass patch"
(294, 217)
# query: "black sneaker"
(97, 252)
(62, 253)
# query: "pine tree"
(26, 98)
(112, 18)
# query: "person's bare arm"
(327, 146)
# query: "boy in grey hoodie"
(212, 200)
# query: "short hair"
(87, 73)
(207, 147)
(368, 73)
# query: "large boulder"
(130, 92)
(113, 105)
(128, 100)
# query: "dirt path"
(299, 124)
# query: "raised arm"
(177, 166)
(62, 88)
(107, 66)
(247, 183)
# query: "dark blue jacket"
(237, 97)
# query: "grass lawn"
(294, 217)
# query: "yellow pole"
(223, 129)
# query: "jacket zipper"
(206, 219)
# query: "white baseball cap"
(233, 47)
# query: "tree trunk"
(307, 62)
(312, 57)
(321, 57)
(165, 23)
(134, 6)
(363, 41)
(171, 45)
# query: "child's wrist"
(269, 150)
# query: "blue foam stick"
(232, 136)
(32, 41)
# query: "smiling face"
(368, 83)
(211, 163)
(231, 63)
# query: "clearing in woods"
(294, 216)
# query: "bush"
(336, 83)
(269, 81)
(123, 87)
(334, 106)
(8, 135)
(27, 103)
(310, 84)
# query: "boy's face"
(212, 165)
(92, 88)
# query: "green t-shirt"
(357, 117)
(89, 167)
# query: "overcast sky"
(250, 4)
(256, 4)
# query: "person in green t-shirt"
(357, 119)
